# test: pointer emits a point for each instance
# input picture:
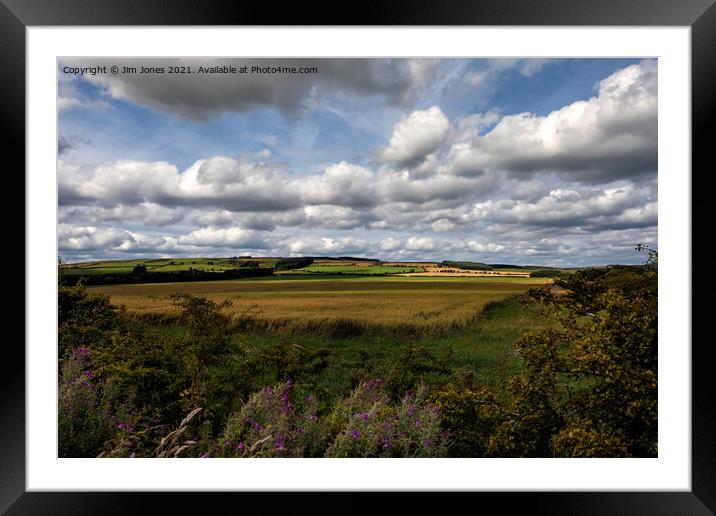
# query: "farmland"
(164, 265)
(348, 358)
(312, 304)
(359, 269)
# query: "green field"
(163, 265)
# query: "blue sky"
(549, 161)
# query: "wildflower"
(310, 397)
(372, 384)
(88, 374)
(355, 434)
(240, 445)
(417, 423)
(279, 442)
(364, 416)
(387, 443)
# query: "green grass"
(484, 349)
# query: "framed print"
(414, 252)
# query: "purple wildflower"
(355, 434)
(279, 442)
(387, 443)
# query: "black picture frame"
(17, 15)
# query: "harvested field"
(442, 271)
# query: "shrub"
(588, 388)
(84, 319)
(469, 416)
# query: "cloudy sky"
(531, 161)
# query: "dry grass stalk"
(169, 446)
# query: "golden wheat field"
(310, 304)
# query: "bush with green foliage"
(589, 388)
(83, 319)
(469, 415)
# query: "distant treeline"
(286, 264)
(547, 273)
(474, 266)
(165, 277)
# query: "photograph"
(357, 257)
